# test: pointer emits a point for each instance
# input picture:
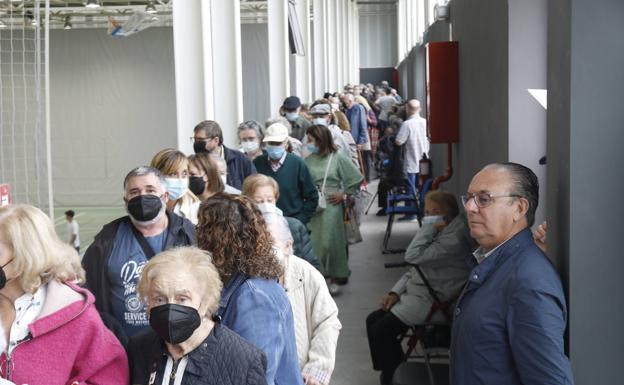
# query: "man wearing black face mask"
(208, 137)
(115, 260)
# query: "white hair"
(278, 227)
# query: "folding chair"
(435, 338)
(412, 205)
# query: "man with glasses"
(510, 319)
(208, 137)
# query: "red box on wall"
(443, 91)
(5, 196)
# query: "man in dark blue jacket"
(511, 316)
(208, 137)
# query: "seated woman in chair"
(439, 249)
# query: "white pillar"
(303, 64)
(189, 70)
(356, 33)
(339, 44)
(320, 48)
(347, 42)
(227, 67)
(332, 40)
(279, 51)
(400, 30)
(351, 42)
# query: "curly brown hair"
(233, 230)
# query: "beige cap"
(277, 132)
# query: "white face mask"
(224, 179)
(320, 121)
(268, 207)
(250, 147)
(432, 219)
(335, 107)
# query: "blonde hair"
(362, 100)
(170, 160)
(39, 255)
(254, 182)
(197, 262)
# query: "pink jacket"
(69, 344)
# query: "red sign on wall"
(5, 196)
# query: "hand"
(439, 226)
(309, 380)
(335, 198)
(539, 236)
(388, 301)
(359, 147)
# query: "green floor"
(90, 221)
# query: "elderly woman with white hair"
(50, 331)
(315, 313)
(182, 290)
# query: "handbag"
(322, 201)
(351, 226)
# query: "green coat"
(326, 226)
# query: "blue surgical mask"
(176, 187)
(292, 116)
(312, 148)
(275, 152)
(320, 121)
(432, 219)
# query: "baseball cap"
(276, 132)
(291, 103)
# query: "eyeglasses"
(194, 139)
(484, 199)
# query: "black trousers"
(383, 328)
(366, 163)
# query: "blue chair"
(412, 205)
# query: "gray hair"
(526, 185)
(279, 119)
(278, 227)
(143, 171)
(251, 125)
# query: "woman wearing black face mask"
(182, 290)
(204, 180)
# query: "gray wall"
(585, 157)
(378, 36)
(255, 57)
(481, 28)
(528, 39)
(113, 107)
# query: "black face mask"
(200, 147)
(144, 207)
(3, 278)
(197, 185)
(174, 323)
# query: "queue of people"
(224, 268)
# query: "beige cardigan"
(316, 319)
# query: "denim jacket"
(258, 310)
(510, 320)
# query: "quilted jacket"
(224, 358)
(302, 245)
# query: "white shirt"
(179, 371)
(73, 229)
(413, 133)
(27, 309)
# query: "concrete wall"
(481, 28)
(378, 35)
(585, 137)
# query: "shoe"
(334, 289)
(408, 218)
(341, 281)
(381, 212)
(384, 380)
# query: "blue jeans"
(412, 179)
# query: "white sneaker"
(334, 289)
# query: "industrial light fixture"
(92, 4)
(150, 8)
(68, 24)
